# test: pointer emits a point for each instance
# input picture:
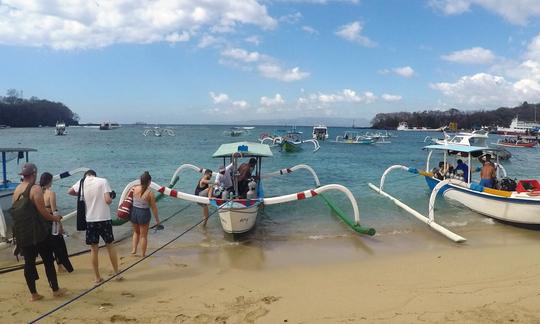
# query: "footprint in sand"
(222, 319)
(106, 305)
(270, 299)
(253, 315)
(181, 318)
(127, 294)
(121, 318)
(203, 318)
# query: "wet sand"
(494, 278)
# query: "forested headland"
(464, 119)
(16, 111)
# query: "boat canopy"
(16, 149)
(457, 148)
(22, 153)
(247, 149)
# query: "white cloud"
(241, 55)
(291, 18)
(255, 40)
(81, 24)
(515, 11)
(404, 71)
(274, 71)
(353, 33)
(219, 98)
(240, 103)
(390, 97)
(208, 40)
(275, 101)
(507, 82)
(475, 55)
(310, 30)
(487, 89)
(344, 96)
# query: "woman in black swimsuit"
(203, 189)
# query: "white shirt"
(225, 180)
(95, 188)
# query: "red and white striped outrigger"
(238, 215)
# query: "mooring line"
(84, 293)
(21, 266)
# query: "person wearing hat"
(488, 172)
(223, 183)
(27, 202)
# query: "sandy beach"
(322, 281)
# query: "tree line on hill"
(464, 119)
(15, 111)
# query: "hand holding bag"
(124, 210)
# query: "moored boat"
(518, 141)
(511, 202)
(320, 132)
(60, 128)
(351, 137)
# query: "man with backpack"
(32, 232)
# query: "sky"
(208, 61)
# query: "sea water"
(121, 155)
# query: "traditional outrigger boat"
(158, 131)
(7, 188)
(518, 141)
(519, 205)
(350, 137)
(289, 142)
(239, 215)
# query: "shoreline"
(319, 281)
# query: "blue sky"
(186, 61)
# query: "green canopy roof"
(247, 149)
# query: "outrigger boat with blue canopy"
(7, 188)
(517, 203)
(238, 214)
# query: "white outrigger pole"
(430, 220)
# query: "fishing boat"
(511, 202)
(107, 125)
(517, 141)
(289, 141)
(380, 137)
(237, 213)
(351, 137)
(474, 138)
(320, 132)
(403, 126)
(7, 188)
(60, 128)
(159, 132)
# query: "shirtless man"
(488, 172)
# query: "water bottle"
(55, 228)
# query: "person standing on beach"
(58, 243)
(97, 198)
(204, 189)
(34, 238)
(143, 201)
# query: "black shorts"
(96, 229)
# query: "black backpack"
(29, 227)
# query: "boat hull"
(238, 218)
(509, 209)
(291, 147)
(6, 222)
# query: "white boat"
(511, 202)
(60, 128)
(474, 138)
(159, 132)
(403, 126)
(107, 125)
(351, 137)
(238, 214)
(518, 127)
(320, 132)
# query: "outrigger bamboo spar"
(238, 215)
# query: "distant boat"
(4, 126)
(518, 141)
(518, 127)
(108, 125)
(60, 128)
(403, 126)
(320, 132)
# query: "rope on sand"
(119, 273)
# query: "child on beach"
(143, 201)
